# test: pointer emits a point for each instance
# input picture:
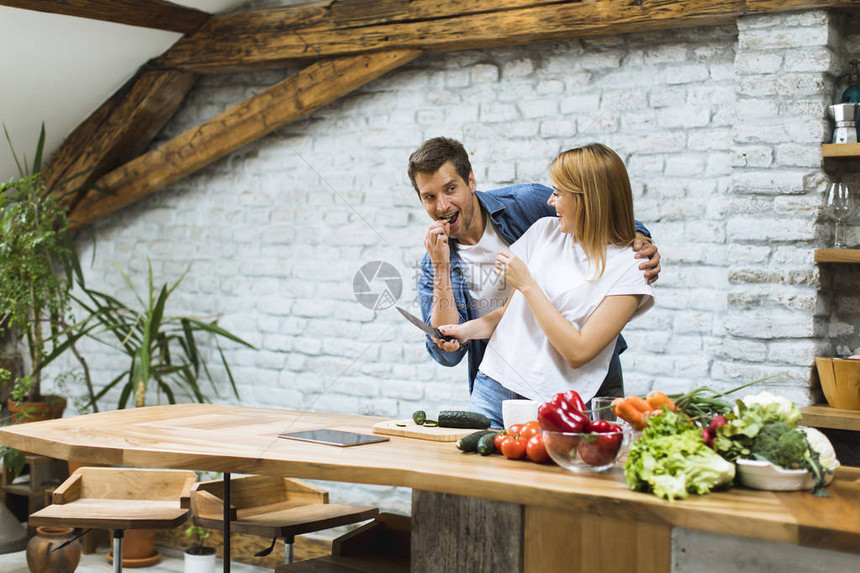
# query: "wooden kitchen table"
(568, 521)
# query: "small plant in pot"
(38, 263)
(199, 558)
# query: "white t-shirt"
(519, 355)
(487, 291)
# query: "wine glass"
(838, 205)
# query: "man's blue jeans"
(487, 396)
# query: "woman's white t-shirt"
(519, 356)
(486, 290)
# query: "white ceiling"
(59, 69)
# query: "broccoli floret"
(786, 446)
(781, 444)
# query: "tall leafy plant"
(161, 349)
(38, 263)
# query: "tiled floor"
(171, 562)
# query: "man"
(469, 228)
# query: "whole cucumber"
(487, 443)
(463, 419)
(470, 443)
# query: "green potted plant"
(199, 558)
(37, 264)
(161, 349)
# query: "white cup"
(519, 411)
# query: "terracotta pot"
(50, 408)
(137, 545)
(40, 558)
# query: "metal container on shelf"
(844, 115)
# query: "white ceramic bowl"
(759, 474)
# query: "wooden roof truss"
(340, 45)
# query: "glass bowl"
(587, 453)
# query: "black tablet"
(333, 437)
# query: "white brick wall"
(720, 128)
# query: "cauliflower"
(786, 409)
(819, 442)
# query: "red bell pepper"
(569, 400)
(556, 418)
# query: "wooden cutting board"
(409, 429)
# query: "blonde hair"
(597, 173)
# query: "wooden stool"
(119, 499)
(272, 507)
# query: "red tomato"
(599, 449)
(515, 429)
(514, 448)
(600, 426)
(530, 429)
(497, 441)
(536, 451)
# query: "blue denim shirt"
(512, 211)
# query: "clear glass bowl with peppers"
(580, 440)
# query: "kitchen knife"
(434, 332)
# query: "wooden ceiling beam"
(158, 14)
(118, 131)
(340, 14)
(276, 37)
(254, 37)
(286, 101)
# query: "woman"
(575, 285)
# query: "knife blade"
(434, 332)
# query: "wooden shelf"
(837, 255)
(841, 150)
(823, 416)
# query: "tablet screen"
(333, 437)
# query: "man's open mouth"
(451, 219)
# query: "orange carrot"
(626, 410)
(638, 403)
(657, 400)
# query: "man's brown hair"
(428, 158)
